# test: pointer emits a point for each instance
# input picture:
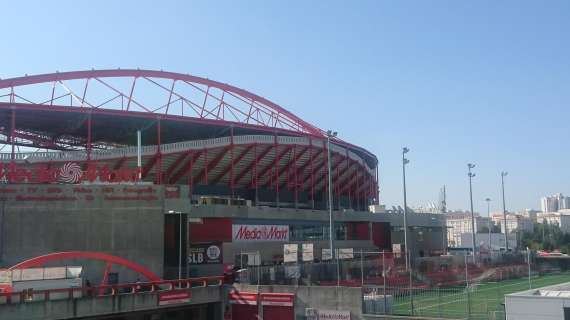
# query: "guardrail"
(31, 295)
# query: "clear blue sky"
(456, 81)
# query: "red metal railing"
(108, 290)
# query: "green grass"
(481, 301)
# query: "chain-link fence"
(451, 286)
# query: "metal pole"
(411, 288)
(473, 229)
(489, 222)
(444, 223)
(467, 288)
(406, 249)
(503, 174)
(528, 258)
(361, 268)
(329, 135)
(180, 246)
(139, 155)
(337, 270)
(384, 279)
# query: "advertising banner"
(6, 277)
(205, 253)
(326, 254)
(307, 250)
(55, 273)
(277, 299)
(345, 253)
(333, 315)
(251, 233)
(290, 252)
(237, 297)
(173, 297)
(397, 249)
(32, 274)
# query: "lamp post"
(473, 230)
(404, 162)
(489, 221)
(179, 242)
(330, 135)
(503, 175)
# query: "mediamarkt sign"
(249, 232)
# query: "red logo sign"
(70, 172)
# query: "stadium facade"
(148, 164)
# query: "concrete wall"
(40, 219)
(326, 298)
(41, 224)
(98, 306)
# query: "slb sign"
(205, 254)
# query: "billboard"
(290, 252)
(205, 253)
(307, 252)
(251, 233)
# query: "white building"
(459, 223)
(530, 213)
(554, 203)
(564, 203)
(560, 219)
(546, 303)
(482, 239)
(549, 204)
(515, 222)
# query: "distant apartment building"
(530, 213)
(515, 222)
(554, 203)
(459, 223)
(498, 218)
(564, 203)
(556, 218)
(518, 223)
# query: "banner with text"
(290, 252)
(307, 252)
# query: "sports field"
(480, 301)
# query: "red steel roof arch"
(281, 121)
(303, 126)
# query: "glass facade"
(316, 232)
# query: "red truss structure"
(211, 136)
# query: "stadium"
(157, 167)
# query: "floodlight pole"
(473, 230)
(503, 174)
(139, 155)
(406, 249)
(489, 221)
(330, 134)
